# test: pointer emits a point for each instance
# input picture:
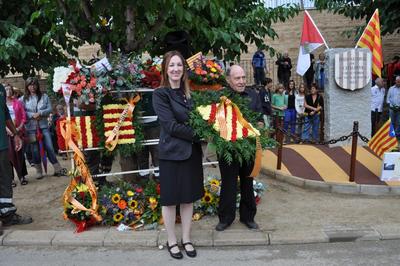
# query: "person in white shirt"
(377, 98)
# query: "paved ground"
(321, 163)
(283, 208)
(356, 253)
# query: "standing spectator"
(309, 75)
(393, 70)
(8, 215)
(284, 69)
(38, 107)
(300, 109)
(259, 64)
(314, 104)
(265, 98)
(279, 101)
(53, 118)
(377, 98)
(290, 111)
(180, 154)
(17, 113)
(320, 76)
(393, 99)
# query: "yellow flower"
(103, 22)
(213, 69)
(132, 204)
(207, 198)
(153, 203)
(130, 193)
(82, 187)
(115, 198)
(215, 182)
(118, 217)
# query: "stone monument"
(347, 93)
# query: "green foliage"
(389, 12)
(241, 149)
(33, 31)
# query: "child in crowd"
(279, 102)
(290, 112)
(300, 109)
(265, 97)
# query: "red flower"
(139, 190)
(258, 199)
(158, 189)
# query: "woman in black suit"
(180, 154)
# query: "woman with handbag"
(38, 107)
(17, 113)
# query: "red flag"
(371, 39)
(311, 39)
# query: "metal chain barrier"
(363, 138)
(303, 141)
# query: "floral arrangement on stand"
(206, 74)
(151, 71)
(131, 205)
(208, 205)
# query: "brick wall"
(331, 27)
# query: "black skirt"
(182, 181)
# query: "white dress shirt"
(377, 98)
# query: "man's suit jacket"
(176, 136)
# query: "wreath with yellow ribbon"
(224, 119)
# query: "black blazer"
(176, 136)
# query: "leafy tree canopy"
(34, 31)
(389, 11)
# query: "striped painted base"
(328, 164)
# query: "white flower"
(60, 76)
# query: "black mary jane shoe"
(13, 184)
(190, 253)
(178, 255)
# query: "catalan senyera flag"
(384, 139)
(371, 39)
(193, 60)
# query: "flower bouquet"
(151, 70)
(206, 75)
(130, 205)
(208, 205)
(80, 203)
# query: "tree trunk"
(130, 28)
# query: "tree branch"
(74, 30)
(88, 14)
(150, 33)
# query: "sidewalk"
(287, 214)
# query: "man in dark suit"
(229, 172)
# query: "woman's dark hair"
(35, 82)
(164, 72)
(266, 81)
(314, 85)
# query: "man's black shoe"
(221, 226)
(14, 219)
(251, 225)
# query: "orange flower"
(198, 71)
(122, 204)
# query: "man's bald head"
(379, 82)
(236, 78)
